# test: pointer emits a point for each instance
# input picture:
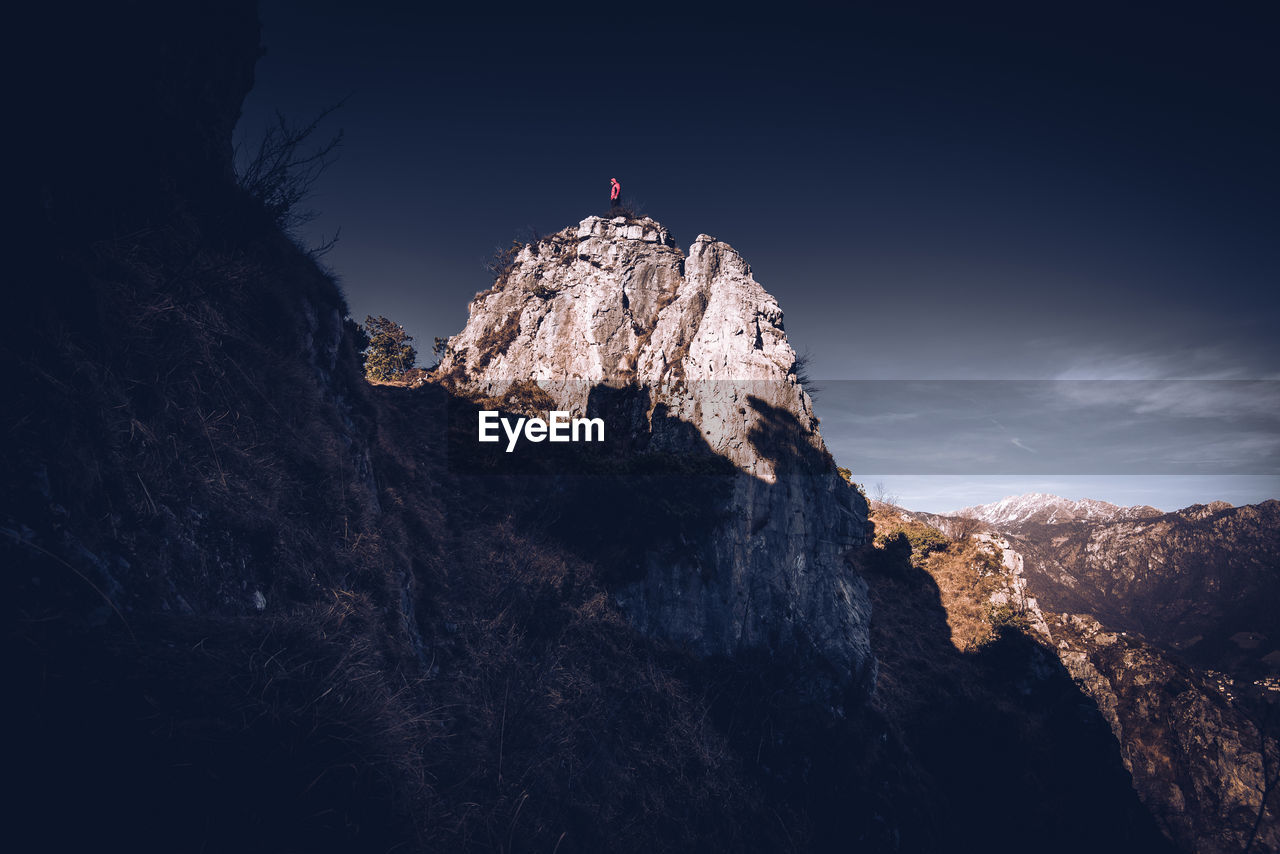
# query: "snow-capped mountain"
(1039, 507)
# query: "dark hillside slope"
(249, 606)
(253, 604)
(232, 621)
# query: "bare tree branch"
(882, 495)
(961, 528)
(282, 173)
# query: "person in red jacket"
(615, 193)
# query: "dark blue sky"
(929, 194)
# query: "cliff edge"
(692, 350)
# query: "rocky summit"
(694, 348)
(614, 302)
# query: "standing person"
(615, 193)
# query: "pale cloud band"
(1054, 427)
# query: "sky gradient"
(930, 195)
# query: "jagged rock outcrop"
(1200, 765)
(614, 302)
(1011, 589)
(611, 307)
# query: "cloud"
(1055, 426)
(1167, 362)
(1216, 399)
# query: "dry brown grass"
(429, 667)
(964, 570)
(966, 593)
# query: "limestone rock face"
(1198, 763)
(1011, 590)
(612, 307)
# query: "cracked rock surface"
(699, 348)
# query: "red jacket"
(616, 190)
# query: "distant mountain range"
(1203, 581)
(1191, 580)
(1039, 507)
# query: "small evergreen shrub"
(389, 354)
